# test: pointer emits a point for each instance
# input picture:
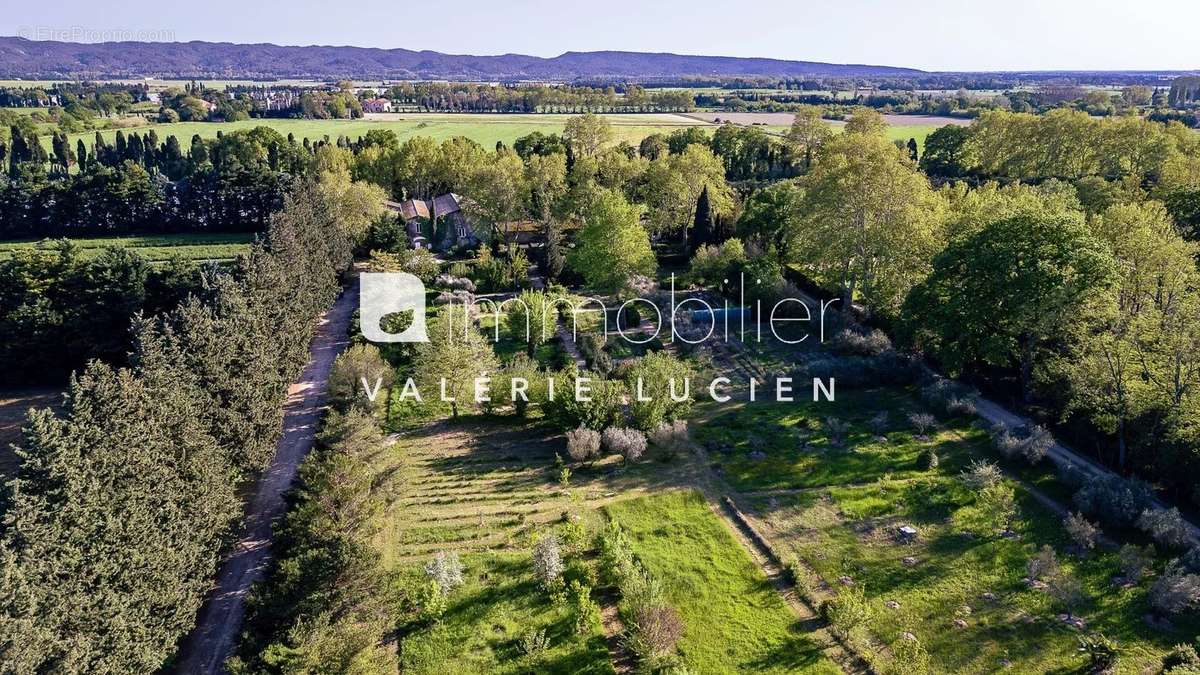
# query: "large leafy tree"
(456, 354)
(587, 134)
(612, 246)
(869, 222)
(808, 133)
(999, 297)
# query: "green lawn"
(155, 248)
(486, 129)
(734, 621)
(499, 603)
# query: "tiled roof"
(414, 208)
(444, 205)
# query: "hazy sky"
(933, 34)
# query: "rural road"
(220, 618)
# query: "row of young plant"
(652, 625)
(125, 496)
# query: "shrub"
(1067, 591)
(949, 397)
(1037, 444)
(350, 369)
(848, 610)
(909, 657)
(534, 642)
(1101, 652)
(547, 560)
(629, 443)
(1175, 591)
(922, 422)
(1165, 526)
(583, 444)
(661, 378)
(1191, 560)
(656, 630)
(982, 474)
(1043, 565)
(453, 283)
(446, 570)
(1113, 500)
(1081, 532)
(616, 554)
(856, 341)
(459, 269)
(835, 430)
(962, 407)
(927, 460)
(420, 263)
(1182, 659)
(1031, 443)
(587, 612)
(879, 423)
(1135, 561)
(603, 407)
(671, 438)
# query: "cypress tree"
(703, 228)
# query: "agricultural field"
(155, 248)
(486, 489)
(835, 500)
(486, 129)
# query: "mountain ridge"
(35, 59)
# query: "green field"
(894, 132)
(499, 603)
(485, 129)
(734, 621)
(958, 586)
(157, 248)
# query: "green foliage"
(660, 386)
(1045, 271)
(612, 247)
(110, 553)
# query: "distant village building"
(377, 105)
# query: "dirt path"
(220, 618)
(1061, 455)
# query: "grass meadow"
(958, 587)
(155, 248)
(734, 620)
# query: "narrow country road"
(220, 618)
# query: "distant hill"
(28, 59)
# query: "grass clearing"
(734, 620)
(958, 587)
(481, 632)
(155, 248)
